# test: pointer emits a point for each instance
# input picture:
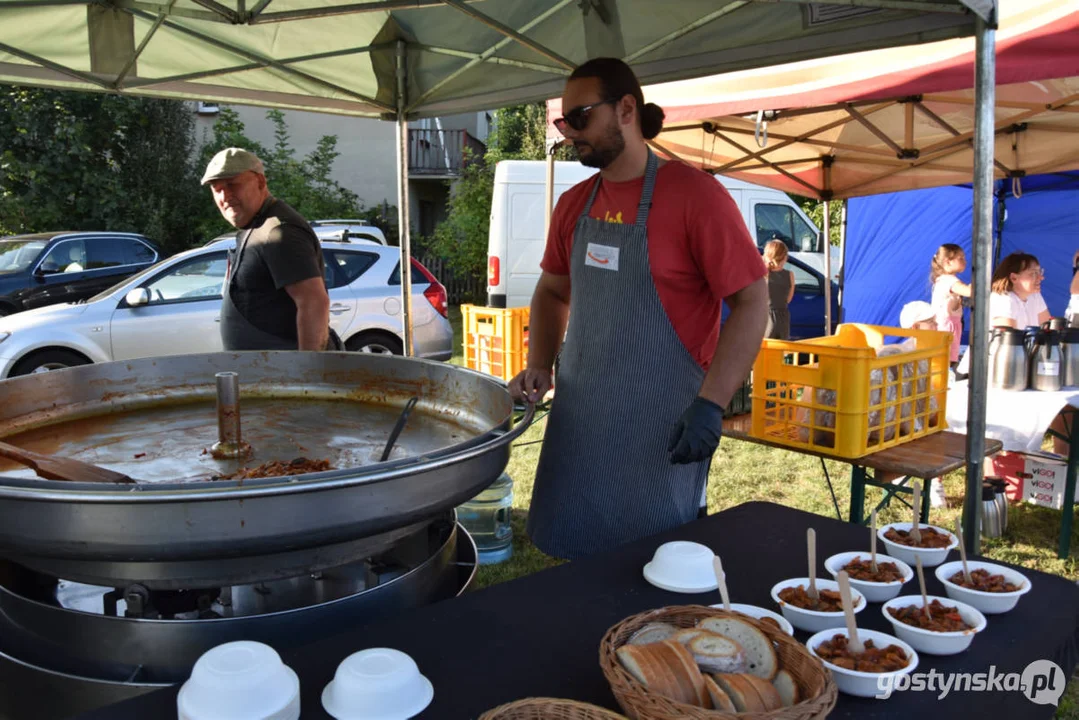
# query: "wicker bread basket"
(815, 683)
(541, 708)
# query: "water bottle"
(486, 517)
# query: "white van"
(515, 243)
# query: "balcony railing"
(441, 153)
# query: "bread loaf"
(741, 693)
(787, 687)
(720, 700)
(760, 655)
(690, 679)
(769, 696)
(715, 653)
(652, 632)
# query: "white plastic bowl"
(931, 557)
(814, 620)
(758, 612)
(873, 591)
(855, 682)
(682, 567)
(377, 684)
(988, 602)
(244, 680)
(928, 641)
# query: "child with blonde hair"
(948, 292)
(780, 291)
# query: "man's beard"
(605, 153)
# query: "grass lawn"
(743, 471)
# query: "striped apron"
(604, 476)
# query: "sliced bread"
(769, 695)
(787, 687)
(688, 672)
(685, 635)
(715, 653)
(760, 654)
(652, 632)
(720, 699)
(737, 692)
(645, 665)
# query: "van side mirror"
(137, 297)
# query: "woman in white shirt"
(1016, 300)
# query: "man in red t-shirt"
(638, 262)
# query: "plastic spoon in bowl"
(721, 581)
(811, 547)
(853, 642)
(963, 551)
(921, 584)
(915, 533)
(873, 542)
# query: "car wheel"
(47, 360)
(376, 343)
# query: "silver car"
(174, 308)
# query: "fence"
(459, 289)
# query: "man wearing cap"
(275, 295)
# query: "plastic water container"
(486, 517)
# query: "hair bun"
(651, 120)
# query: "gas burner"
(140, 602)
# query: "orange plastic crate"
(495, 339)
(834, 395)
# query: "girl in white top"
(1016, 300)
(948, 291)
(1073, 303)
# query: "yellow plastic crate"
(834, 395)
(495, 339)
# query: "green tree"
(815, 210)
(519, 133)
(83, 161)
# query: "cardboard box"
(1044, 482)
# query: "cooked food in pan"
(279, 468)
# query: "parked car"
(807, 305)
(48, 268)
(343, 230)
(173, 308)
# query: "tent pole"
(842, 257)
(827, 268)
(402, 202)
(548, 188)
(982, 245)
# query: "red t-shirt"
(699, 249)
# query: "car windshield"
(18, 255)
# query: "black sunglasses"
(577, 118)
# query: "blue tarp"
(891, 239)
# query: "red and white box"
(1044, 481)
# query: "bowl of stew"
(996, 588)
(933, 550)
(881, 586)
(948, 629)
(869, 674)
(794, 602)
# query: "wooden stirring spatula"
(51, 467)
(811, 549)
(854, 643)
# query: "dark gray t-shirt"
(280, 250)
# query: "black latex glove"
(696, 436)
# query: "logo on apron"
(603, 257)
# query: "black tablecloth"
(539, 635)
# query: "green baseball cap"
(230, 162)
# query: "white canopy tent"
(402, 59)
